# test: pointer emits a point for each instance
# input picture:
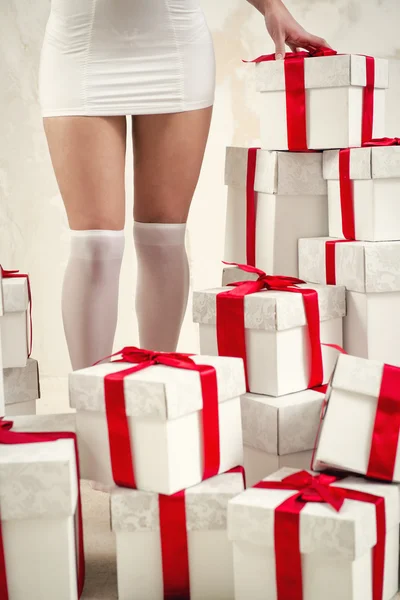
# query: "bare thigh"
(88, 157)
(168, 154)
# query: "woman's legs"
(168, 154)
(88, 157)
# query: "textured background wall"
(33, 227)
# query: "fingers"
(280, 49)
(314, 41)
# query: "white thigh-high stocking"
(90, 295)
(162, 283)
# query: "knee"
(96, 223)
(162, 207)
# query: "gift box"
(39, 519)
(175, 433)
(21, 389)
(274, 198)
(373, 194)
(175, 546)
(276, 334)
(371, 273)
(340, 541)
(321, 102)
(362, 410)
(279, 432)
(13, 323)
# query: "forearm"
(261, 5)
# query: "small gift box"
(279, 432)
(274, 198)
(276, 325)
(175, 546)
(371, 273)
(13, 323)
(363, 192)
(296, 535)
(361, 420)
(158, 422)
(321, 102)
(21, 389)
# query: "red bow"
(290, 55)
(15, 274)
(385, 141)
(135, 355)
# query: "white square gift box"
(40, 518)
(278, 353)
(328, 101)
(178, 543)
(279, 432)
(289, 197)
(370, 271)
(374, 192)
(322, 553)
(13, 323)
(361, 420)
(21, 389)
(166, 428)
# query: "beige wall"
(33, 228)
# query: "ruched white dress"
(126, 57)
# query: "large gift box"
(371, 273)
(279, 432)
(361, 420)
(21, 389)
(166, 426)
(278, 333)
(13, 323)
(310, 537)
(321, 102)
(363, 192)
(274, 198)
(175, 546)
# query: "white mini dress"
(126, 57)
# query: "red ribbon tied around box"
(15, 274)
(230, 322)
(385, 141)
(315, 488)
(10, 437)
(251, 207)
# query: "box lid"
(281, 425)
(45, 423)
(357, 375)
(21, 384)
(15, 294)
(347, 534)
(273, 311)
(323, 72)
(158, 391)
(38, 480)
(206, 506)
(284, 173)
(380, 162)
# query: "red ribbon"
(251, 207)
(231, 334)
(385, 141)
(385, 435)
(312, 488)
(15, 274)
(368, 102)
(118, 427)
(7, 436)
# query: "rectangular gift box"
(13, 323)
(277, 345)
(334, 92)
(21, 389)
(290, 203)
(38, 503)
(164, 410)
(336, 547)
(356, 399)
(375, 177)
(279, 432)
(138, 527)
(370, 271)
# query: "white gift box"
(375, 175)
(164, 411)
(21, 389)
(334, 101)
(13, 324)
(279, 432)
(38, 503)
(371, 273)
(336, 547)
(291, 202)
(136, 522)
(277, 344)
(45, 423)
